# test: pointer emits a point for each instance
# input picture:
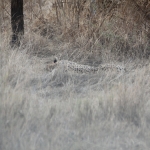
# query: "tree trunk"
(17, 21)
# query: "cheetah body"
(78, 68)
(72, 66)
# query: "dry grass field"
(70, 111)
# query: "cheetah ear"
(55, 59)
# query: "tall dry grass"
(39, 110)
(70, 111)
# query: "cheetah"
(78, 68)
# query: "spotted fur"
(78, 68)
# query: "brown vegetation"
(122, 25)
